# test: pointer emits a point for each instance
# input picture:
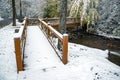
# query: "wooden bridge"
(28, 44)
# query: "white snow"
(7, 57)
(42, 63)
(20, 32)
(38, 52)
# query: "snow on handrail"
(19, 34)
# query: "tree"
(14, 12)
(62, 16)
(51, 9)
(20, 11)
(85, 9)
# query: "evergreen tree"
(51, 9)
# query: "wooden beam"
(67, 25)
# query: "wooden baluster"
(41, 25)
(48, 33)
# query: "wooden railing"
(48, 29)
(71, 22)
(19, 43)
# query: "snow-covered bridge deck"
(38, 51)
(39, 55)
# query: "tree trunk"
(63, 14)
(62, 19)
(14, 12)
(20, 11)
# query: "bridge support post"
(65, 49)
(18, 54)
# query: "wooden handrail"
(19, 43)
(74, 22)
(67, 25)
(63, 38)
(49, 19)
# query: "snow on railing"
(48, 29)
(19, 43)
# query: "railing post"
(65, 49)
(18, 54)
(27, 21)
(41, 24)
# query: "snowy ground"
(84, 63)
(7, 57)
